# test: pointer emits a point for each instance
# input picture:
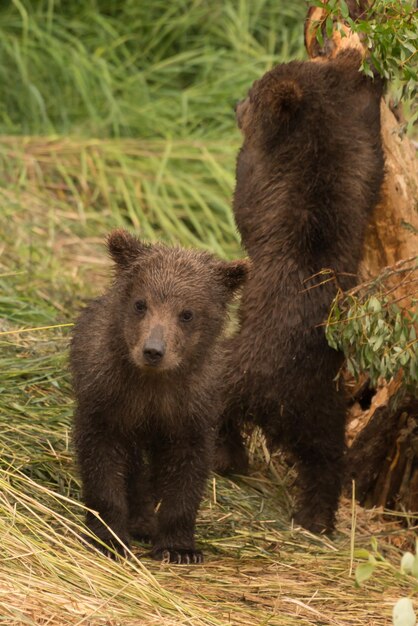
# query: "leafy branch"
(376, 331)
(388, 29)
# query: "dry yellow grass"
(258, 570)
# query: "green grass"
(138, 69)
(120, 114)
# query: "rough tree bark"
(382, 434)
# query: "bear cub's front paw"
(181, 556)
(317, 522)
(108, 544)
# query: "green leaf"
(414, 567)
(344, 9)
(364, 571)
(329, 27)
(413, 369)
(367, 70)
(378, 343)
(410, 47)
(361, 553)
(374, 305)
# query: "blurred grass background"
(121, 114)
(137, 69)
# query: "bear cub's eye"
(186, 316)
(140, 306)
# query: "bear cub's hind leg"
(319, 456)
(231, 455)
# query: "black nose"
(153, 351)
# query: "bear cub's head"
(170, 303)
(311, 98)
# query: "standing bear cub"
(147, 364)
(308, 177)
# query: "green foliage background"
(137, 69)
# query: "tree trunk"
(390, 237)
(383, 437)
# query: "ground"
(57, 201)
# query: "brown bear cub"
(308, 177)
(147, 363)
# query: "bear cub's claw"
(181, 556)
(113, 550)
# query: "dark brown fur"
(308, 177)
(144, 429)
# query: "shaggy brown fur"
(308, 177)
(147, 366)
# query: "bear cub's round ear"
(233, 274)
(282, 99)
(124, 248)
